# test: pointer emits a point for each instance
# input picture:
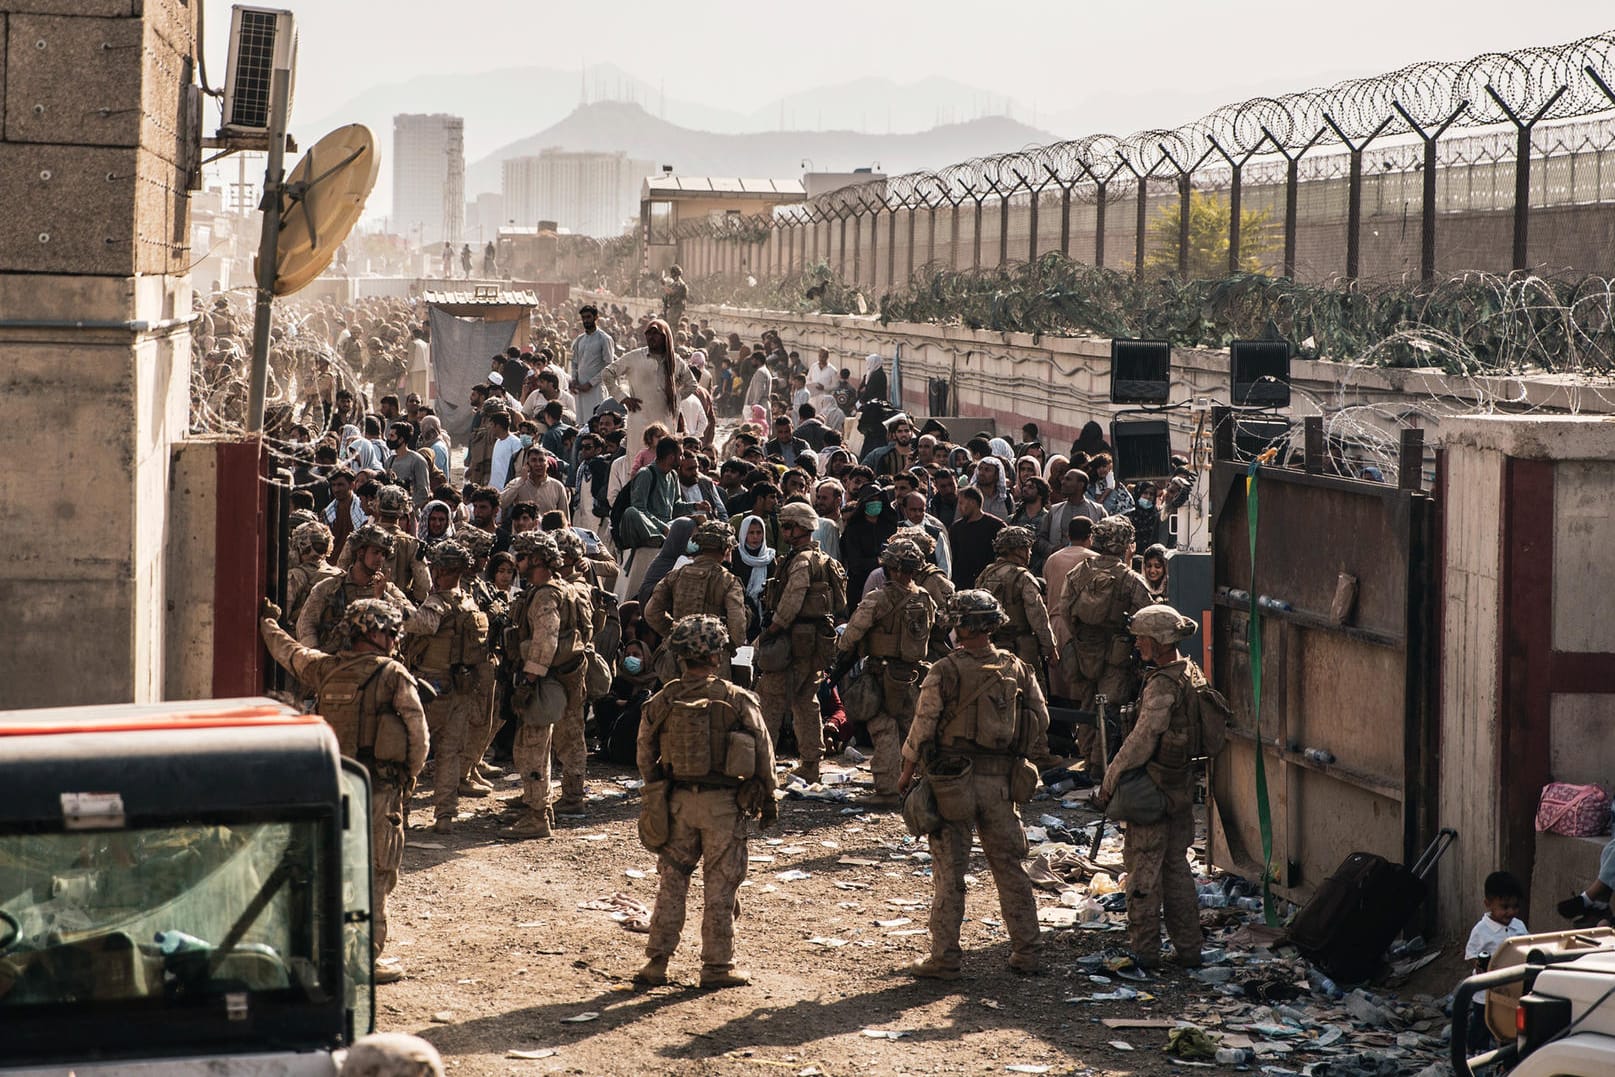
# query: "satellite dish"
(325, 194)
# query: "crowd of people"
(659, 543)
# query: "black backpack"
(619, 506)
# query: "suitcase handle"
(1433, 854)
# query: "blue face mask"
(633, 664)
(527, 441)
(1147, 503)
(691, 548)
(872, 509)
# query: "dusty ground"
(499, 957)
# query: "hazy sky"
(1046, 54)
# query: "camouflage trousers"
(794, 690)
(570, 747)
(448, 720)
(482, 725)
(386, 850)
(534, 744)
(707, 828)
(998, 821)
(1158, 875)
(888, 728)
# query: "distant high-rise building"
(429, 177)
(592, 194)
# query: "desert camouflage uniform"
(553, 648)
(1028, 634)
(801, 607)
(708, 825)
(702, 586)
(892, 628)
(939, 718)
(392, 690)
(1156, 854)
(319, 624)
(446, 642)
(1098, 658)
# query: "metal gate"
(1347, 716)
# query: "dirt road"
(499, 957)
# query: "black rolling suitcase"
(1355, 915)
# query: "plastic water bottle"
(1273, 605)
(1235, 1056)
(1254, 904)
(1323, 985)
(1319, 755)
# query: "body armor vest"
(699, 736)
(1004, 580)
(982, 714)
(902, 628)
(350, 701)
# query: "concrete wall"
(191, 613)
(94, 340)
(1528, 670)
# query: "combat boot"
(716, 977)
(387, 974)
(568, 806)
(475, 787)
(654, 974)
(532, 825)
(444, 825)
(1027, 964)
(1187, 959)
(932, 969)
(808, 772)
(882, 801)
(487, 772)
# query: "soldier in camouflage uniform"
(705, 736)
(370, 701)
(806, 595)
(570, 742)
(1027, 634)
(982, 706)
(1161, 741)
(891, 628)
(705, 585)
(319, 625)
(1100, 594)
(407, 566)
(446, 646)
(548, 634)
(476, 775)
(311, 545)
(934, 582)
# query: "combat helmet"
(366, 615)
(1162, 623)
(475, 539)
(1113, 535)
(371, 534)
(569, 543)
(698, 636)
(540, 545)
(490, 408)
(392, 501)
(311, 538)
(449, 554)
(1012, 538)
(299, 517)
(902, 554)
(713, 535)
(976, 610)
(920, 537)
(799, 514)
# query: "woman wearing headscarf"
(992, 483)
(874, 386)
(675, 547)
(1005, 452)
(1054, 474)
(437, 523)
(752, 563)
(433, 439)
(649, 382)
(865, 534)
(1091, 442)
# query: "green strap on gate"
(1264, 810)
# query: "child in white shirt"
(1503, 897)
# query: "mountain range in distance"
(613, 125)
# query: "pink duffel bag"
(1576, 811)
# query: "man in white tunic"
(649, 382)
(592, 352)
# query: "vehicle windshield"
(170, 914)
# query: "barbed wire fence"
(1455, 195)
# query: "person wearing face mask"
(1146, 518)
(408, 466)
(866, 532)
(704, 585)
